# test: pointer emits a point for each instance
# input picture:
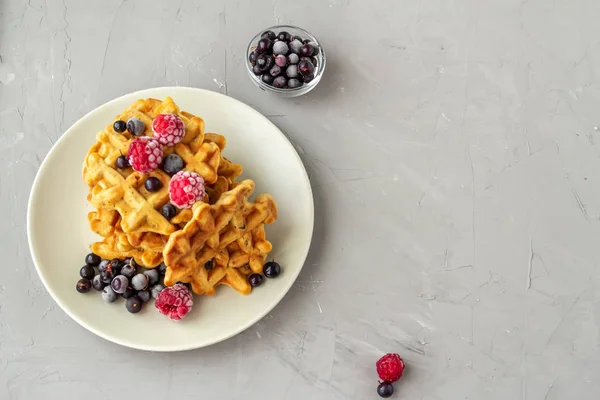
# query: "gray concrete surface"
(453, 148)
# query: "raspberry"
(144, 154)
(186, 188)
(390, 367)
(168, 129)
(175, 301)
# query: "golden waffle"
(110, 248)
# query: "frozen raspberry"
(144, 154)
(168, 129)
(175, 301)
(186, 188)
(390, 368)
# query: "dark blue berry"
(295, 46)
(275, 71)
(87, 272)
(120, 126)
(115, 265)
(156, 289)
(385, 389)
(296, 37)
(280, 82)
(108, 295)
(272, 269)
(293, 58)
(267, 78)
(257, 70)
(264, 46)
(306, 67)
(122, 162)
(119, 284)
(315, 47)
(129, 271)
(162, 269)
(133, 304)
(255, 280)
(135, 126)
(152, 184)
(144, 295)
(139, 282)
(92, 259)
(292, 71)
(307, 50)
(97, 283)
(102, 266)
(269, 35)
(84, 285)
(252, 57)
(153, 276)
(294, 83)
(283, 35)
(172, 164)
(168, 211)
(308, 78)
(129, 293)
(281, 48)
(107, 276)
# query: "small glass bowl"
(299, 91)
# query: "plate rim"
(146, 93)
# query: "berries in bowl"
(286, 60)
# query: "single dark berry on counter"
(102, 265)
(209, 265)
(269, 35)
(144, 295)
(315, 48)
(135, 126)
(292, 71)
(97, 283)
(280, 82)
(153, 276)
(283, 35)
(272, 269)
(129, 293)
(252, 57)
(109, 295)
(129, 271)
(308, 78)
(281, 61)
(267, 78)
(120, 126)
(133, 304)
(385, 389)
(172, 164)
(294, 83)
(139, 282)
(281, 48)
(92, 259)
(255, 280)
(275, 71)
(119, 284)
(307, 50)
(306, 67)
(162, 269)
(152, 184)
(87, 272)
(122, 162)
(107, 276)
(84, 285)
(293, 58)
(168, 211)
(264, 46)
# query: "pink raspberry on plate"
(144, 154)
(175, 302)
(186, 188)
(168, 129)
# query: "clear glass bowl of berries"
(286, 60)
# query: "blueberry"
(133, 304)
(162, 269)
(306, 41)
(269, 35)
(84, 285)
(283, 35)
(129, 293)
(152, 184)
(315, 48)
(139, 282)
(107, 276)
(168, 211)
(209, 265)
(134, 263)
(292, 71)
(156, 289)
(267, 78)
(314, 60)
(87, 272)
(294, 83)
(252, 57)
(120, 126)
(272, 269)
(102, 265)
(109, 295)
(296, 37)
(264, 46)
(280, 82)
(144, 295)
(281, 48)
(295, 46)
(116, 265)
(122, 162)
(281, 61)
(153, 276)
(92, 259)
(119, 284)
(308, 78)
(172, 164)
(270, 62)
(385, 389)
(129, 271)
(135, 126)
(306, 67)
(255, 280)
(275, 71)
(257, 70)
(293, 58)
(97, 283)
(307, 50)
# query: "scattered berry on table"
(264, 46)
(281, 48)
(87, 272)
(144, 154)
(139, 282)
(109, 295)
(153, 276)
(156, 289)
(120, 126)
(168, 129)
(269, 35)
(119, 284)
(186, 188)
(385, 389)
(295, 46)
(294, 83)
(97, 283)
(92, 259)
(271, 269)
(292, 71)
(84, 285)
(175, 302)
(293, 58)
(136, 127)
(130, 292)
(209, 265)
(168, 211)
(172, 164)
(133, 304)
(255, 280)
(306, 67)
(162, 269)
(280, 82)
(122, 162)
(281, 61)
(267, 78)
(129, 271)
(144, 295)
(152, 184)
(390, 367)
(102, 265)
(283, 35)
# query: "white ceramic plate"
(59, 234)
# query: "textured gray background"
(452, 152)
